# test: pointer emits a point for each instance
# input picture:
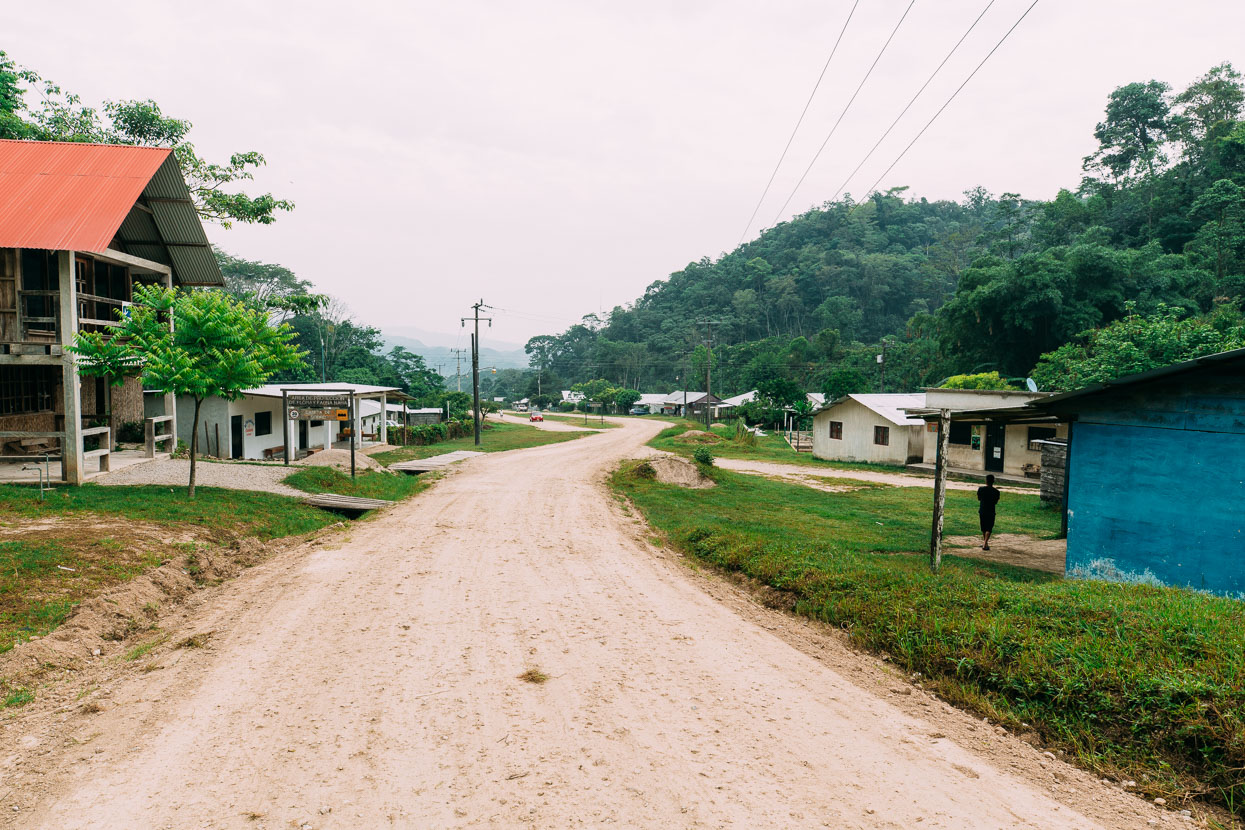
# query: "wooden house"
(1156, 475)
(80, 225)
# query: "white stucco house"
(870, 428)
(250, 427)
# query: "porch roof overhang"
(1007, 415)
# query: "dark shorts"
(987, 521)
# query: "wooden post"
(940, 489)
(217, 427)
(1067, 484)
(71, 384)
(170, 400)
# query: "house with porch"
(252, 427)
(80, 226)
(980, 445)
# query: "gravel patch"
(176, 472)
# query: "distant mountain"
(442, 356)
(447, 340)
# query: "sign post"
(330, 405)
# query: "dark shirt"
(989, 497)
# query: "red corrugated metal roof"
(66, 196)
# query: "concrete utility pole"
(709, 324)
(475, 360)
(458, 367)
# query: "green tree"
(843, 380)
(981, 380)
(1220, 240)
(1131, 137)
(626, 398)
(218, 347)
(1139, 343)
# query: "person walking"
(987, 497)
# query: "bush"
(566, 406)
(703, 456)
(983, 380)
(131, 432)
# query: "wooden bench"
(274, 452)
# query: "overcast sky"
(555, 158)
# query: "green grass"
(18, 697)
(368, 484)
(44, 574)
(770, 447)
(264, 515)
(499, 437)
(1133, 681)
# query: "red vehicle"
(536, 416)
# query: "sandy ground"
(373, 682)
(811, 476)
(175, 472)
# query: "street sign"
(300, 402)
(319, 413)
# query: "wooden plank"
(335, 501)
(95, 453)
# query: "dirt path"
(814, 476)
(375, 684)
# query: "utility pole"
(475, 360)
(709, 324)
(458, 367)
(882, 363)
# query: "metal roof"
(66, 196)
(273, 390)
(890, 406)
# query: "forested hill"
(989, 283)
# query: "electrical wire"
(1019, 20)
(904, 112)
(850, 101)
(798, 122)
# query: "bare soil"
(671, 469)
(1013, 549)
(340, 459)
(375, 681)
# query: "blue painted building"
(1156, 474)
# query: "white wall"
(857, 441)
(1016, 452)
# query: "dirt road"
(375, 684)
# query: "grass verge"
(115, 534)
(1134, 681)
(498, 437)
(368, 484)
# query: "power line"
(873, 187)
(798, 122)
(904, 112)
(850, 101)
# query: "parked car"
(536, 416)
(638, 410)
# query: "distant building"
(571, 397)
(870, 428)
(251, 427)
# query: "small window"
(882, 436)
(836, 430)
(961, 433)
(263, 423)
(1040, 434)
(314, 424)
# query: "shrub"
(983, 380)
(703, 456)
(131, 432)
